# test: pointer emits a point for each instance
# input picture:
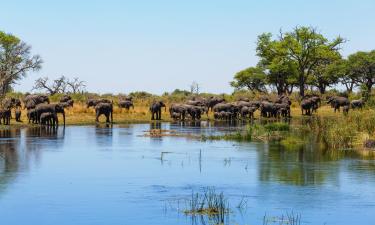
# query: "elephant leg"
(107, 116)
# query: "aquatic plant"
(209, 203)
(288, 219)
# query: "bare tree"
(194, 88)
(15, 61)
(75, 85)
(57, 86)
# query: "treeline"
(305, 59)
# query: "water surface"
(97, 175)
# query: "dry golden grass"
(81, 115)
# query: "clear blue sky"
(157, 46)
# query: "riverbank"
(334, 130)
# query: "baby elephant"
(48, 119)
(176, 115)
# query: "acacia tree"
(57, 86)
(252, 78)
(362, 66)
(15, 61)
(75, 85)
(280, 72)
(304, 47)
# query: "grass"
(209, 203)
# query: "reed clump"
(209, 203)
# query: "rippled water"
(89, 175)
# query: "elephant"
(357, 104)
(67, 101)
(94, 102)
(307, 105)
(155, 109)
(195, 112)
(230, 108)
(337, 102)
(11, 103)
(247, 111)
(31, 115)
(125, 104)
(31, 101)
(5, 115)
(283, 99)
(283, 109)
(18, 115)
(106, 109)
(176, 116)
(51, 108)
(180, 109)
(212, 101)
(268, 109)
(48, 118)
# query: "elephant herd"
(41, 111)
(222, 110)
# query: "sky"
(157, 46)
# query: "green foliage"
(362, 66)
(276, 127)
(299, 53)
(252, 78)
(15, 61)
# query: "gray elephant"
(180, 109)
(176, 116)
(195, 112)
(212, 101)
(67, 101)
(282, 109)
(357, 104)
(155, 109)
(126, 104)
(18, 115)
(105, 109)
(5, 115)
(307, 105)
(268, 109)
(31, 101)
(94, 102)
(31, 115)
(49, 108)
(48, 119)
(337, 102)
(247, 112)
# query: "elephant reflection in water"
(9, 158)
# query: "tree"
(341, 70)
(322, 76)
(194, 88)
(57, 86)
(281, 72)
(15, 61)
(304, 48)
(75, 85)
(252, 78)
(362, 66)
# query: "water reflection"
(122, 179)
